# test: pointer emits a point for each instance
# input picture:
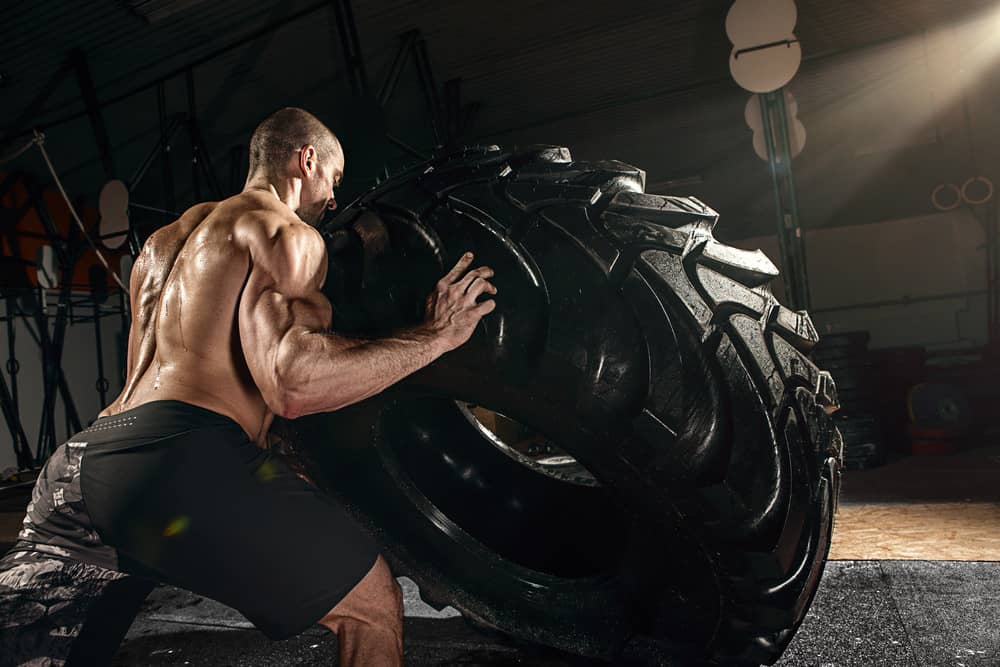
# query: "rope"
(39, 140)
(17, 152)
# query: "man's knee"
(376, 599)
(386, 586)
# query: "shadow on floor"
(891, 613)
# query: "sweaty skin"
(227, 314)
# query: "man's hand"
(452, 311)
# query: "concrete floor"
(866, 613)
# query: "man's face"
(317, 190)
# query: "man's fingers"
(459, 268)
(470, 277)
(479, 286)
(484, 308)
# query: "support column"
(790, 239)
(354, 59)
(195, 156)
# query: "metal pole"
(17, 130)
(406, 41)
(8, 398)
(992, 277)
(166, 135)
(351, 46)
(205, 159)
(406, 147)
(13, 365)
(48, 385)
(17, 437)
(195, 178)
(54, 379)
(792, 245)
(94, 112)
(787, 264)
(161, 149)
(793, 201)
(996, 271)
(428, 86)
(30, 112)
(102, 382)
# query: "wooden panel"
(927, 531)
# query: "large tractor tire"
(679, 503)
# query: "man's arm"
(300, 367)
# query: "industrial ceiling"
(646, 83)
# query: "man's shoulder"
(169, 238)
(280, 244)
(200, 211)
(192, 217)
(262, 218)
(291, 238)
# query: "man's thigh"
(237, 525)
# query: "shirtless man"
(229, 329)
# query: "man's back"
(187, 286)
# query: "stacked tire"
(847, 359)
(650, 352)
(940, 418)
(897, 371)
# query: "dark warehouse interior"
(735, 403)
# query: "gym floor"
(913, 580)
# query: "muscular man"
(229, 329)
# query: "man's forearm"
(324, 372)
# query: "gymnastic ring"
(982, 200)
(941, 207)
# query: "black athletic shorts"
(176, 493)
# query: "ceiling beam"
(20, 129)
(93, 108)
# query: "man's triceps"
(275, 332)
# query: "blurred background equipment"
(847, 359)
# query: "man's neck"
(287, 191)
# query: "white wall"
(914, 258)
(80, 367)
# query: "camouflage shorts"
(46, 602)
(174, 493)
(56, 522)
(60, 575)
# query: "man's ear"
(307, 158)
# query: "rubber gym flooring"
(891, 613)
(913, 581)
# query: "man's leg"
(369, 621)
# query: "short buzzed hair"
(284, 131)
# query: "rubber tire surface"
(649, 351)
